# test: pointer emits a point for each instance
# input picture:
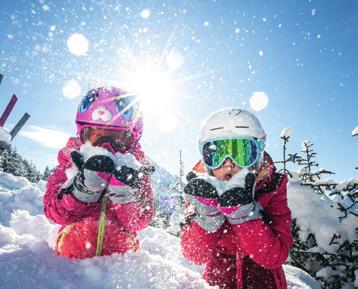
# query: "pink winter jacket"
(249, 255)
(68, 210)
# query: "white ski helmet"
(230, 123)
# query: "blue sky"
(190, 58)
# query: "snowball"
(259, 100)
(77, 44)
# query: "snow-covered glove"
(202, 197)
(125, 183)
(238, 204)
(93, 176)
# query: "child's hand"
(202, 197)
(238, 203)
(199, 187)
(132, 177)
(93, 176)
(125, 183)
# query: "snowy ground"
(28, 261)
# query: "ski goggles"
(244, 152)
(119, 140)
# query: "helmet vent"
(216, 128)
(242, 126)
(235, 111)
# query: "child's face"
(227, 170)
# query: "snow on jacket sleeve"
(197, 244)
(137, 215)
(268, 244)
(68, 209)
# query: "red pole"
(8, 110)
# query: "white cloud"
(71, 89)
(259, 100)
(48, 137)
(77, 44)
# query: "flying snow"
(78, 44)
(174, 59)
(145, 13)
(259, 100)
(71, 89)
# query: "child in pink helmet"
(100, 191)
(237, 221)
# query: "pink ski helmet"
(111, 108)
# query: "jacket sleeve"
(67, 209)
(137, 215)
(268, 244)
(197, 244)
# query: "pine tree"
(333, 270)
(13, 163)
(47, 173)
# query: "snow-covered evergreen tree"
(47, 173)
(12, 162)
(324, 228)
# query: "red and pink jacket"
(78, 235)
(249, 255)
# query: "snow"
(78, 44)
(286, 132)
(71, 89)
(259, 100)
(297, 279)
(145, 13)
(238, 180)
(319, 216)
(4, 136)
(27, 259)
(355, 131)
(305, 145)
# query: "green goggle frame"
(244, 152)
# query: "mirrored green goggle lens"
(243, 152)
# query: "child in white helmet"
(237, 220)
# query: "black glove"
(239, 196)
(238, 203)
(199, 187)
(202, 197)
(132, 177)
(88, 184)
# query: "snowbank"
(27, 259)
(316, 214)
